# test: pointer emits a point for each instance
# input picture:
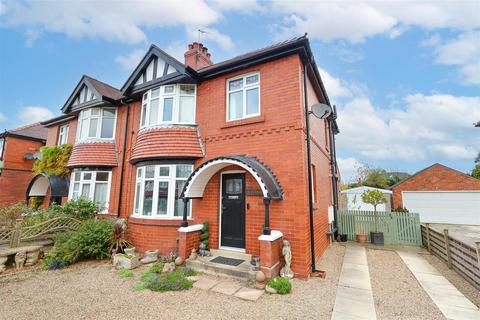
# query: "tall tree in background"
(476, 169)
(376, 178)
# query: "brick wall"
(435, 178)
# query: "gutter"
(124, 150)
(333, 168)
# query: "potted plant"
(361, 237)
(375, 197)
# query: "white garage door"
(459, 207)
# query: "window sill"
(241, 122)
(156, 221)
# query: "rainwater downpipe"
(120, 190)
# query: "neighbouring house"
(352, 199)
(440, 194)
(18, 150)
(186, 142)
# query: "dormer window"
(169, 104)
(96, 123)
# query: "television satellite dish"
(321, 110)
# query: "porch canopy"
(39, 185)
(269, 185)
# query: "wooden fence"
(397, 227)
(459, 256)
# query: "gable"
(85, 94)
(155, 68)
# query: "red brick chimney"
(197, 56)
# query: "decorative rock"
(20, 258)
(150, 256)
(287, 254)
(178, 261)
(193, 255)
(32, 258)
(270, 290)
(260, 276)
(168, 267)
(193, 278)
(122, 261)
(3, 260)
(130, 251)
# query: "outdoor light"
(321, 110)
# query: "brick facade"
(434, 178)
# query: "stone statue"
(287, 254)
(20, 258)
(193, 255)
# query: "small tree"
(476, 169)
(374, 197)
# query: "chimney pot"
(197, 56)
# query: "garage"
(456, 207)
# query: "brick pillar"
(189, 238)
(271, 253)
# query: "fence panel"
(397, 227)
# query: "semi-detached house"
(183, 143)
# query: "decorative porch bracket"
(266, 225)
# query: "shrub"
(172, 281)
(53, 160)
(125, 273)
(90, 241)
(281, 285)
(204, 236)
(157, 267)
(400, 209)
(9, 214)
(119, 243)
(80, 208)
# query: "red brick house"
(183, 143)
(18, 149)
(440, 194)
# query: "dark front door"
(233, 210)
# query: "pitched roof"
(105, 89)
(31, 131)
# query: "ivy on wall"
(53, 160)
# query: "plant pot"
(342, 237)
(377, 238)
(361, 238)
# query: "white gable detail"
(160, 68)
(170, 70)
(85, 95)
(149, 71)
(149, 75)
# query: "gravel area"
(396, 292)
(460, 283)
(91, 291)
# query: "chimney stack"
(197, 56)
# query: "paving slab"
(226, 287)
(250, 294)
(205, 283)
(451, 302)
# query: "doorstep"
(243, 272)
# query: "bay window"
(243, 97)
(96, 123)
(93, 185)
(174, 103)
(158, 189)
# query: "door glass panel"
(167, 109)
(162, 197)
(233, 186)
(148, 198)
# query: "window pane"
(183, 171)
(167, 109)
(155, 93)
(86, 190)
(233, 186)
(153, 118)
(145, 97)
(87, 176)
(144, 113)
(168, 89)
(77, 176)
(187, 109)
(95, 111)
(84, 128)
(100, 195)
(178, 208)
(149, 171)
(252, 101)
(148, 198)
(107, 128)
(252, 79)
(187, 89)
(92, 131)
(235, 84)
(162, 197)
(164, 171)
(137, 197)
(235, 105)
(109, 113)
(139, 172)
(76, 190)
(102, 176)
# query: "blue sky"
(405, 76)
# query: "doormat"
(227, 261)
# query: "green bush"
(80, 208)
(125, 273)
(281, 285)
(90, 241)
(204, 236)
(172, 281)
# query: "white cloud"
(464, 52)
(334, 86)
(246, 6)
(34, 114)
(427, 127)
(3, 118)
(131, 60)
(224, 41)
(121, 21)
(349, 169)
(177, 50)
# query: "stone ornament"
(20, 258)
(287, 254)
(178, 261)
(193, 255)
(3, 260)
(32, 258)
(168, 267)
(128, 260)
(150, 256)
(260, 277)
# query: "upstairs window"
(169, 104)
(243, 97)
(1, 148)
(96, 123)
(92, 185)
(62, 135)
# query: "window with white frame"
(1, 148)
(93, 185)
(158, 189)
(167, 104)
(243, 97)
(62, 135)
(96, 123)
